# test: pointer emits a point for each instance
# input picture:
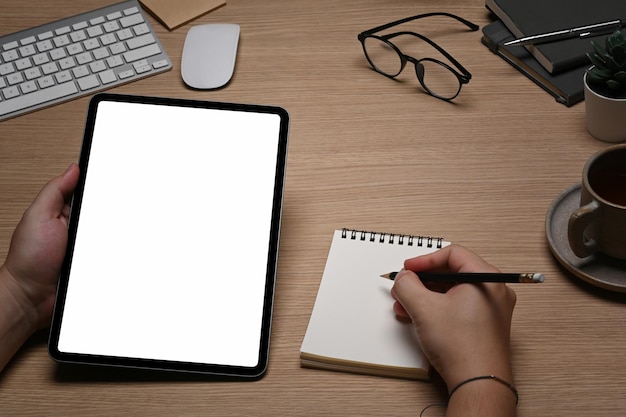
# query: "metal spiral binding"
(392, 238)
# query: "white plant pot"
(605, 117)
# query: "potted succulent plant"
(605, 89)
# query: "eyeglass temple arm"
(469, 24)
(456, 63)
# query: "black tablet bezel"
(202, 368)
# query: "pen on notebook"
(459, 277)
(577, 32)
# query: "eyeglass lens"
(438, 79)
(434, 76)
(383, 56)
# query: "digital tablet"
(173, 237)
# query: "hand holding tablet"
(171, 194)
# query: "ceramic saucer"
(598, 269)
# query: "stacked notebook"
(557, 67)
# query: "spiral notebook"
(353, 327)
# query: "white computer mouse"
(209, 55)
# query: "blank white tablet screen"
(171, 247)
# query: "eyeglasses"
(436, 77)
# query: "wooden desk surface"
(368, 153)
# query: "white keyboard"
(76, 56)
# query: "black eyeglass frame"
(462, 74)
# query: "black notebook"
(532, 17)
(566, 87)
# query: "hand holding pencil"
(464, 332)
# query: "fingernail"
(69, 168)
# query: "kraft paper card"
(176, 13)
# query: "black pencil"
(460, 277)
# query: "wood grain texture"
(365, 152)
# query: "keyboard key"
(111, 27)
(6, 68)
(75, 48)
(67, 63)
(57, 54)
(114, 15)
(63, 30)
(9, 93)
(126, 74)
(45, 82)
(140, 41)
(141, 53)
(142, 69)
(131, 20)
(78, 36)
(101, 53)
(97, 20)
(28, 87)
(45, 35)
(107, 77)
(117, 48)
(61, 41)
(80, 25)
(39, 96)
(130, 11)
(81, 71)
(10, 45)
(40, 59)
(141, 29)
(27, 50)
(124, 34)
(32, 73)
(15, 78)
(28, 40)
(88, 82)
(22, 64)
(49, 68)
(116, 61)
(84, 58)
(63, 77)
(97, 66)
(11, 55)
(91, 44)
(159, 64)
(94, 31)
(44, 45)
(108, 39)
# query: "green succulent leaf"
(600, 52)
(621, 77)
(602, 73)
(613, 85)
(615, 40)
(595, 76)
(612, 64)
(609, 41)
(597, 60)
(619, 55)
